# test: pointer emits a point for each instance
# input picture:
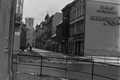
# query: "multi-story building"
(43, 32)
(76, 28)
(46, 31)
(38, 32)
(59, 37)
(65, 29)
(102, 28)
(39, 35)
(57, 18)
(75, 21)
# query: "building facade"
(57, 18)
(59, 37)
(43, 32)
(102, 28)
(38, 32)
(65, 29)
(40, 35)
(76, 29)
(46, 32)
(75, 20)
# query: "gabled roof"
(69, 5)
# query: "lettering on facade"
(106, 9)
(111, 21)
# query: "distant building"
(57, 18)
(43, 32)
(39, 32)
(34, 37)
(29, 21)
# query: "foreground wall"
(5, 7)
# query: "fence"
(31, 67)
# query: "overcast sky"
(39, 8)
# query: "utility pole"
(11, 39)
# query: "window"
(71, 14)
(71, 30)
(79, 10)
(82, 47)
(76, 12)
(82, 10)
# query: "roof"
(68, 5)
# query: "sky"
(39, 8)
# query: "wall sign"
(102, 29)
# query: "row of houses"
(86, 28)
(46, 32)
(63, 32)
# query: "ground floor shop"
(76, 46)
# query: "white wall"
(102, 38)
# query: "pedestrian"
(29, 46)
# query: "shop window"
(80, 48)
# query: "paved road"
(76, 70)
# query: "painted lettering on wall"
(111, 21)
(107, 20)
(107, 9)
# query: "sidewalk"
(30, 76)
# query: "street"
(64, 68)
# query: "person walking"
(29, 46)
